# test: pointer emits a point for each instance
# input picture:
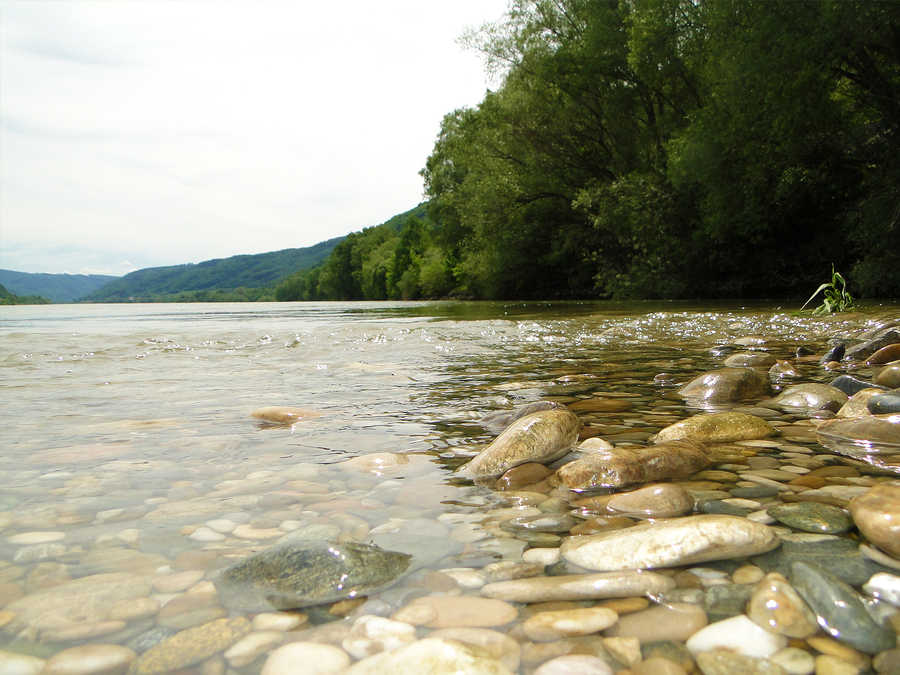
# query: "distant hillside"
(7, 298)
(55, 287)
(240, 271)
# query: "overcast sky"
(143, 133)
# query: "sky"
(142, 133)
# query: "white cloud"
(170, 132)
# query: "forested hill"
(238, 277)
(7, 298)
(55, 287)
(662, 148)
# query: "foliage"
(7, 298)
(835, 297)
(220, 275)
(55, 287)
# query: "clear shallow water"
(114, 415)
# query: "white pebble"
(542, 556)
(738, 634)
(35, 537)
(205, 534)
(221, 525)
(884, 586)
(374, 634)
(309, 658)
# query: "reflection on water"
(129, 445)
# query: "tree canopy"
(655, 148)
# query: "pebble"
(777, 607)
(90, 659)
(250, 647)
(668, 621)
(13, 663)
(665, 500)
(657, 665)
(554, 625)
(453, 612)
(29, 538)
(832, 665)
(373, 634)
(670, 543)
(877, 515)
(718, 428)
(885, 587)
(725, 662)
(812, 517)
(542, 556)
(738, 634)
(309, 658)
(444, 657)
(889, 377)
(205, 535)
(794, 661)
(574, 664)
(191, 646)
(495, 644)
(617, 584)
(840, 609)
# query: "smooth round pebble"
(309, 658)
(246, 650)
(553, 625)
(575, 664)
(738, 634)
(93, 659)
(794, 661)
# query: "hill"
(196, 281)
(55, 287)
(7, 298)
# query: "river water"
(129, 445)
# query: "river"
(130, 448)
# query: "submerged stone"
(619, 466)
(877, 515)
(864, 350)
(498, 421)
(858, 404)
(810, 396)
(840, 610)
(812, 517)
(718, 428)
(850, 384)
(304, 574)
(750, 360)
(872, 438)
(884, 403)
(726, 384)
(279, 414)
(539, 437)
(669, 543)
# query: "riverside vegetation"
(662, 148)
(659, 493)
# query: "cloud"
(195, 130)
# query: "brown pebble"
(813, 482)
(839, 470)
(884, 355)
(624, 605)
(658, 666)
(603, 524)
(344, 607)
(522, 475)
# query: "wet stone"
(812, 517)
(726, 384)
(665, 500)
(726, 600)
(718, 506)
(718, 428)
(668, 621)
(886, 403)
(627, 583)
(737, 634)
(840, 609)
(297, 575)
(670, 543)
(888, 377)
(777, 607)
(839, 555)
(726, 662)
(885, 355)
(850, 385)
(877, 515)
(190, 646)
(810, 396)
